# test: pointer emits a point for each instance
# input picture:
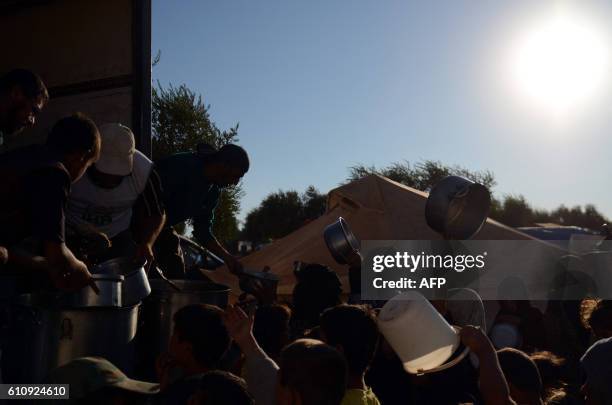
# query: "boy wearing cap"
(94, 380)
(120, 196)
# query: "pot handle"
(461, 192)
(140, 318)
(66, 329)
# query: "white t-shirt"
(108, 210)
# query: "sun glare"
(560, 64)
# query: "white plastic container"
(418, 334)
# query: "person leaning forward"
(191, 188)
(120, 196)
(36, 184)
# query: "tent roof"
(376, 208)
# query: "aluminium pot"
(135, 286)
(341, 242)
(457, 207)
(109, 296)
(158, 309)
(45, 335)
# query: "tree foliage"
(281, 213)
(180, 122)
(422, 175)
(515, 211)
(511, 210)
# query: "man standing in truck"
(22, 96)
(120, 196)
(192, 183)
(36, 183)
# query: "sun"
(560, 64)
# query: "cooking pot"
(341, 242)
(135, 286)
(457, 207)
(44, 335)
(109, 296)
(159, 308)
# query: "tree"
(588, 217)
(181, 121)
(281, 213)
(512, 210)
(314, 203)
(422, 175)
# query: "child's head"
(596, 364)
(551, 368)
(596, 315)
(220, 387)
(77, 141)
(522, 375)
(271, 328)
(318, 288)
(200, 338)
(312, 371)
(352, 330)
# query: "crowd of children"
(281, 353)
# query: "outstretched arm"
(259, 370)
(202, 229)
(493, 385)
(59, 263)
(149, 218)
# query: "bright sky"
(521, 88)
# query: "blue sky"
(320, 86)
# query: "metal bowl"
(135, 286)
(457, 207)
(341, 242)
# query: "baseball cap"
(118, 147)
(86, 375)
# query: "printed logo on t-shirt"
(98, 216)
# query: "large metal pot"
(159, 308)
(109, 296)
(341, 242)
(457, 207)
(135, 286)
(45, 335)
